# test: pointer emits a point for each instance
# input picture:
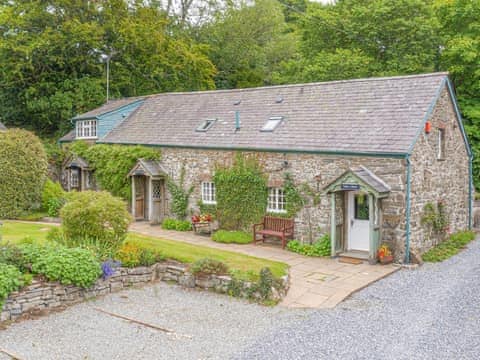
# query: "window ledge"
(86, 138)
(209, 202)
(277, 211)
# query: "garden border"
(41, 297)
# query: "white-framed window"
(208, 193)
(276, 200)
(272, 123)
(441, 144)
(86, 129)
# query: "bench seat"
(281, 228)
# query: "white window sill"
(209, 202)
(277, 211)
(86, 138)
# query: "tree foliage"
(23, 171)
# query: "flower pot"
(386, 259)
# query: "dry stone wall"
(42, 297)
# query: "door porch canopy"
(364, 180)
(149, 168)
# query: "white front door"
(359, 223)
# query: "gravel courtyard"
(430, 313)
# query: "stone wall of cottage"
(316, 170)
(436, 180)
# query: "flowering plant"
(108, 268)
(202, 218)
(384, 251)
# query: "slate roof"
(152, 167)
(371, 179)
(376, 115)
(70, 136)
(107, 107)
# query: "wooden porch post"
(133, 197)
(371, 216)
(333, 225)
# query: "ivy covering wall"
(112, 164)
(241, 192)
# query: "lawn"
(188, 253)
(13, 231)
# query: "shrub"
(241, 192)
(180, 195)
(178, 225)
(23, 170)
(70, 266)
(235, 237)
(10, 280)
(112, 164)
(449, 247)
(53, 197)
(97, 216)
(209, 267)
(321, 247)
(132, 255)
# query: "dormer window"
(272, 123)
(86, 129)
(207, 124)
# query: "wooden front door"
(140, 197)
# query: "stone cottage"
(377, 151)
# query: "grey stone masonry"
(41, 297)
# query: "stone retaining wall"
(42, 296)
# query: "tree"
(51, 51)
(247, 43)
(460, 21)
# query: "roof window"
(207, 124)
(272, 123)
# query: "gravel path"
(430, 313)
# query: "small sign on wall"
(350, 187)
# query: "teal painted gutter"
(470, 192)
(408, 210)
(273, 150)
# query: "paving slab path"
(314, 282)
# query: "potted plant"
(385, 255)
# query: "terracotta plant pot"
(386, 259)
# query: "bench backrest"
(276, 224)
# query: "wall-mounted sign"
(350, 187)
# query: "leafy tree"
(247, 43)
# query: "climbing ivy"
(294, 201)
(112, 163)
(180, 195)
(241, 192)
(435, 219)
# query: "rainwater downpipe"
(408, 211)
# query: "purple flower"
(108, 268)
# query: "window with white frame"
(86, 129)
(276, 200)
(208, 193)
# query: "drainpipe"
(470, 191)
(408, 211)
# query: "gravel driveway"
(430, 313)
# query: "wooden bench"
(276, 227)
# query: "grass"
(243, 265)
(14, 231)
(33, 216)
(449, 247)
(232, 237)
(187, 253)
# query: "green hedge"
(10, 280)
(322, 247)
(232, 237)
(23, 171)
(178, 225)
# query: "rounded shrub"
(53, 197)
(96, 216)
(10, 280)
(23, 170)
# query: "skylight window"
(272, 123)
(207, 124)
